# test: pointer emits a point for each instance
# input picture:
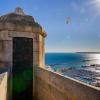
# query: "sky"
(82, 34)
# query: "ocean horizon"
(57, 60)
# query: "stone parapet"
(52, 86)
(3, 86)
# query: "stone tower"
(15, 25)
(21, 45)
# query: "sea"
(75, 60)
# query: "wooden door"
(22, 71)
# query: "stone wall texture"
(52, 86)
(17, 24)
(3, 86)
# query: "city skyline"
(82, 34)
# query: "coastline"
(80, 66)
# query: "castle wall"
(5, 49)
(16, 25)
(3, 86)
(6, 44)
(52, 86)
(41, 51)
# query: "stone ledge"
(57, 86)
(20, 28)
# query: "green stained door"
(22, 71)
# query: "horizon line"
(75, 52)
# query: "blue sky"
(82, 34)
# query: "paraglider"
(68, 20)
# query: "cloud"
(78, 8)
